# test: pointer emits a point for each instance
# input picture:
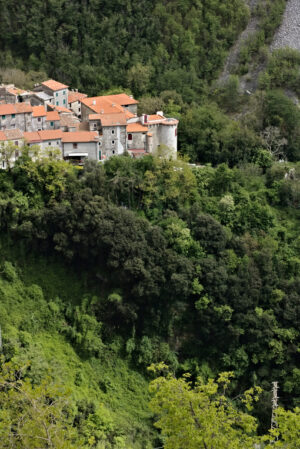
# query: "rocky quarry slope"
(288, 34)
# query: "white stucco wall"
(82, 147)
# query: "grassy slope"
(30, 332)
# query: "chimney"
(160, 113)
(94, 102)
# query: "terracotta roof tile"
(136, 128)
(75, 96)
(63, 109)
(7, 109)
(118, 119)
(54, 85)
(21, 108)
(80, 136)
(2, 136)
(17, 108)
(121, 99)
(32, 137)
(12, 134)
(69, 121)
(15, 91)
(38, 111)
(101, 105)
(52, 116)
(51, 134)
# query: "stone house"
(40, 98)
(137, 139)
(15, 136)
(46, 139)
(16, 116)
(11, 94)
(112, 132)
(80, 145)
(162, 132)
(109, 104)
(74, 102)
(52, 120)
(38, 118)
(56, 90)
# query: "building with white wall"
(56, 90)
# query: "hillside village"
(54, 117)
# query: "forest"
(143, 300)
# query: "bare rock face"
(288, 34)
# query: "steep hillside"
(148, 46)
(108, 398)
(288, 34)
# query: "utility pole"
(274, 405)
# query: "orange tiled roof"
(38, 111)
(32, 137)
(63, 109)
(15, 91)
(17, 108)
(121, 99)
(2, 136)
(54, 85)
(155, 117)
(52, 116)
(21, 108)
(75, 96)
(136, 128)
(12, 134)
(129, 114)
(118, 119)
(69, 121)
(102, 105)
(80, 136)
(7, 109)
(51, 134)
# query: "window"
(51, 123)
(3, 117)
(64, 102)
(64, 92)
(113, 151)
(49, 143)
(16, 143)
(100, 155)
(57, 103)
(95, 125)
(112, 142)
(75, 146)
(39, 119)
(57, 143)
(129, 136)
(113, 131)
(39, 129)
(100, 144)
(13, 115)
(56, 94)
(79, 109)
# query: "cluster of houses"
(54, 117)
